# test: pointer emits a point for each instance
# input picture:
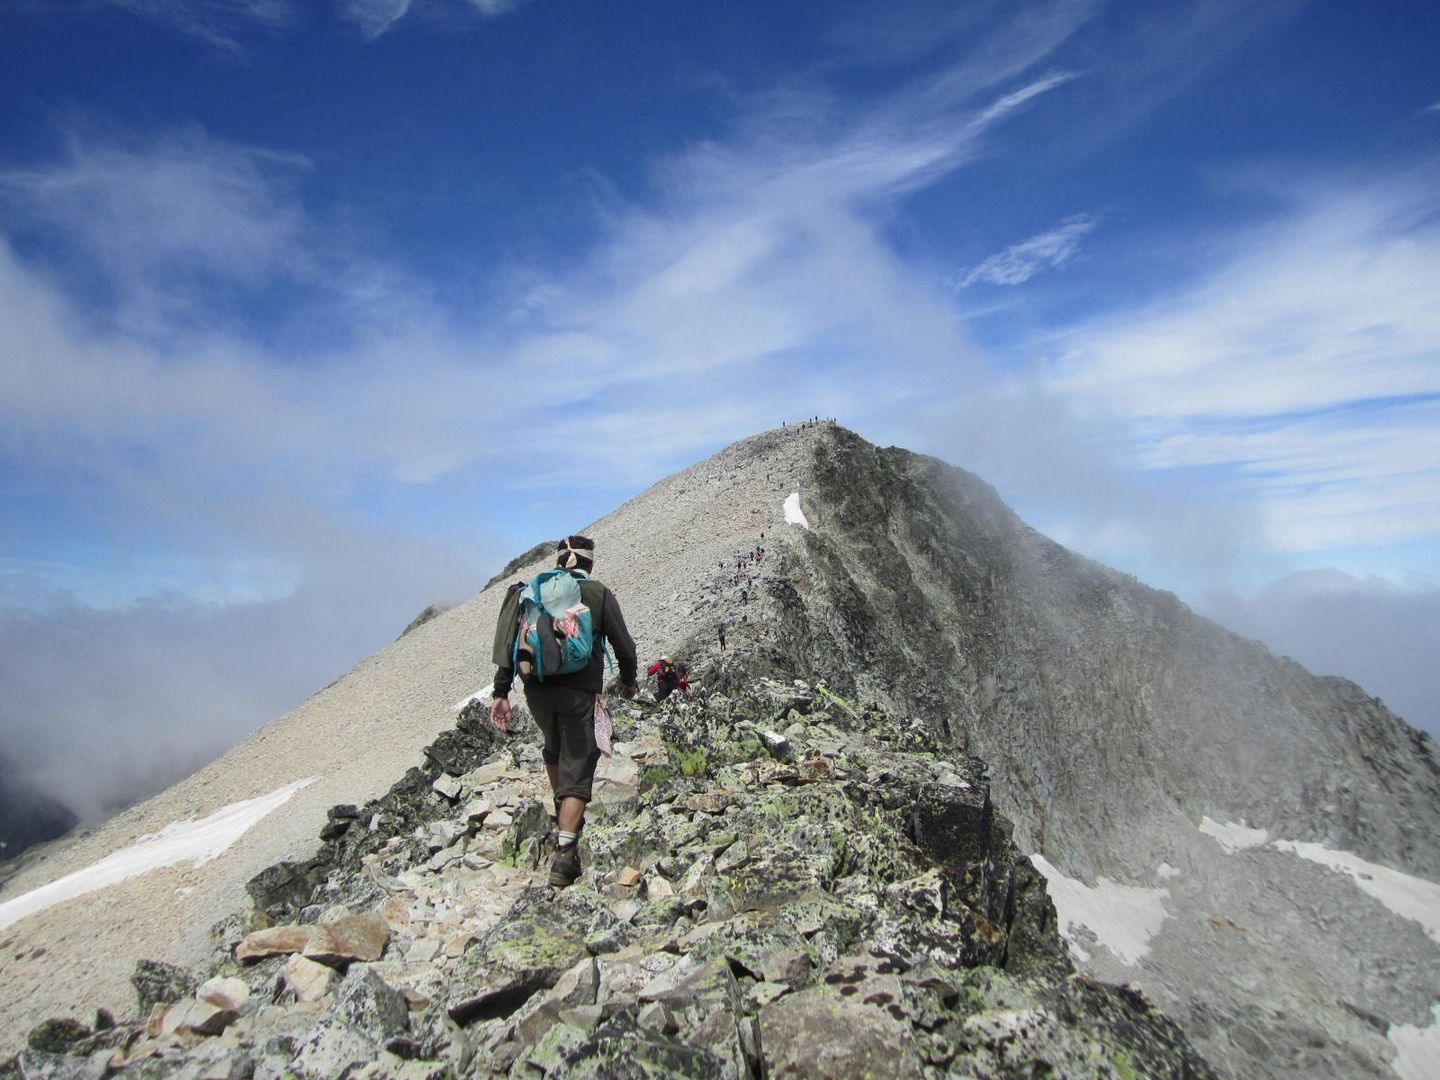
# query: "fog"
(102, 708)
(1368, 630)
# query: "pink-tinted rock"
(355, 937)
(275, 941)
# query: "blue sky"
(279, 283)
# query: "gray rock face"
(1115, 720)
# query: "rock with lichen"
(854, 907)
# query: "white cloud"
(1014, 100)
(219, 22)
(374, 17)
(1306, 362)
(154, 222)
(1020, 262)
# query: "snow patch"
(1123, 918)
(1232, 836)
(1417, 1049)
(1407, 896)
(1165, 871)
(483, 694)
(194, 842)
(793, 514)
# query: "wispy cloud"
(374, 17)
(1017, 98)
(166, 218)
(1308, 360)
(1020, 262)
(220, 22)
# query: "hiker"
(722, 637)
(669, 677)
(563, 704)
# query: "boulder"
(575, 989)
(306, 979)
(275, 941)
(57, 1035)
(367, 1003)
(441, 859)
(535, 943)
(490, 773)
(199, 1018)
(354, 937)
(158, 983)
(530, 820)
(777, 745)
(708, 802)
(333, 830)
(447, 786)
(224, 992)
(330, 1051)
(475, 813)
(620, 1047)
(445, 833)
(818, 1034)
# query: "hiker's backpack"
(554, 634)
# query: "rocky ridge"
(1114, 720)
(778, 883)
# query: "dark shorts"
(567, 720)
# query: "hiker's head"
(576, 553)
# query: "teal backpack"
(554, 634)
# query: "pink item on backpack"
(604, 729)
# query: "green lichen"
(692, 763)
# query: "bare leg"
(572, 814)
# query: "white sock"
(567, 838)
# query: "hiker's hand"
(500, 714)
(628, 690)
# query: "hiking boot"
(565, 867)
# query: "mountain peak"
(1129, 741)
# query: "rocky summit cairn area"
(777, 883)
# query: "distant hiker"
(669, 677)
(543, 630)
(722, 637)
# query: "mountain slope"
(1117, 725)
